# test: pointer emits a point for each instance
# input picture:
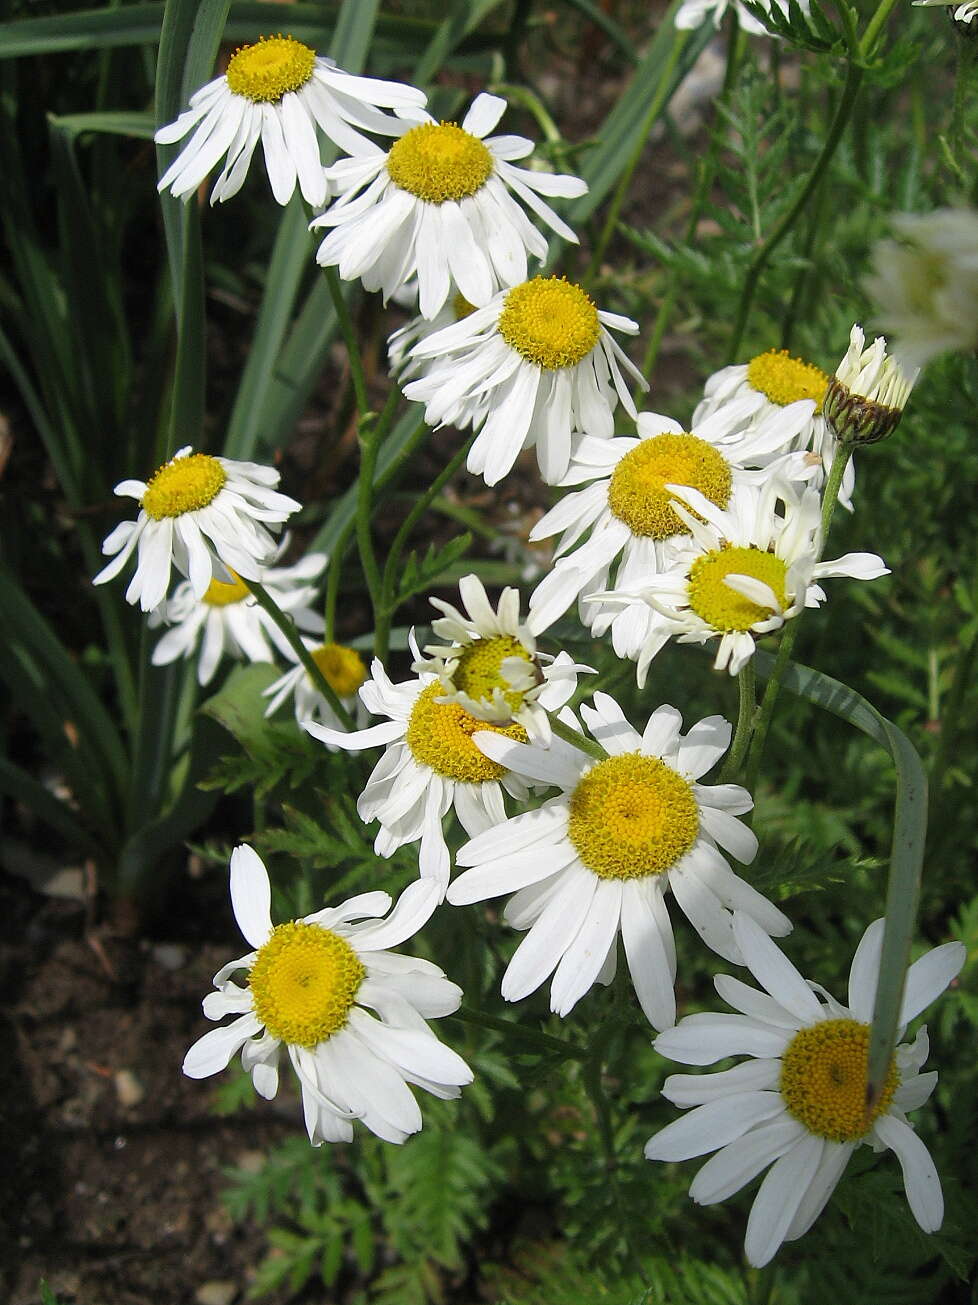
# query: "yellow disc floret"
(304, 982)
(342, 668)
(724, 608)
(632, 816)
(638, 496)
(550, 322)
(221, 593)
(439, 162)
(784, 379)
(265, 71)
(183, 485)
(823, 1080)
(439, 735)
(478, 670)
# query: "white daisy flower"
(534, 365)
(596, 860)
(351, 1014)
(963, 13)
(402, 341)
(206, 516)
(627, 507)
(430, 765)
(776, 381)
(228, 620)
(799, 1103)
(747, 571)
(693, 13)
(342, 669)
(492, 668)
(868, 393)
(441, 205)
(925, 284)
(279, 91)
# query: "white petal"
(540, 951)
(713, 1125)
(648, 956)
(705, 1039)
(773, 971)
(703, 746)
(697, 1089)
(830, 1169)
(251, 895)
(211, 1053)
(539, 764)
(864, 972)
(579, 966)
(736, 1164)
(411, 912)
(779, 1197)
(730, 833)
(929, 976)
(484, 112)
(920, 1178)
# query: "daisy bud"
(866, 397)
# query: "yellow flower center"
(439, 161)
(304, 982)
(183, 485)
(823, 1080)
(632, 816)
(264, 72)
(550, 322)
(724, 608)
(342, 668)
(784, 379)
(478, 670)
(223, 593)
(439, 735)
(638, 496)
(461, 306)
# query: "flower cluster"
(709, 531)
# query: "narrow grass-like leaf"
(24, 788)
(608, 25)
(464, 16)
(906, 856)
(114, 123)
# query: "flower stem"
(745, 723)
(268, 604)
(580, 741)
(345, 323)
(765, 712)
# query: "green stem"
(547, 1044)
(621, 190)
(747, 706)
(388, 603)
(578, 740)
(854, 77)
(874, 27)
(368, 435)
(268, 604)
(735, 46)
(345, 322)
(965, 61)
(765, 712)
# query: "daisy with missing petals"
(206, 516)
(868, 393)
(627, 507)
(746, 572)
(430, 764)
(596, 860)
(492, 668)
(228, 620)
(279, 91)
(445, 205)
(773, 382)
(537, 363)
(799, 1104)
(351, 1014)
(342, 669)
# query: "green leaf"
(424, 574)
(116, 123)
(24, 788)
(907, 854)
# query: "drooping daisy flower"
(534, 365)
(492, 668)
(228, 620)
(279, 91)
(775, 381)
(596, 860)
(206, 516)
(402, 341)
(430, 764)
(746, 572)
(627, 507)
(351, 1014)
(442, 206)
(799, 1105)
(868, 393)
(693, 13)
(925, 284)
(344, 672)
